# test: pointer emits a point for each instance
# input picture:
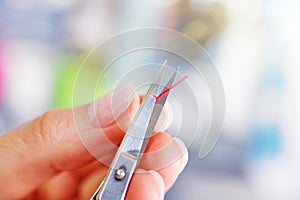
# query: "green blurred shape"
(69, 67)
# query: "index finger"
(38, 150)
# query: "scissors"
(115, 184)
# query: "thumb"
(33, 153)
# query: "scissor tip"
(178, 68)
(164, 65)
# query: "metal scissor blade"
(160, 102)
(165, 92)
(142, 117)
(143, 132)
(134, 142)
(154, 88)
(160, 73)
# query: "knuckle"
(46, 126)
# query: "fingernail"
(104, 111)
(160, 182)
(184, 156)
(121, 99)
(140, 171)
(125, 119)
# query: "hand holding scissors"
(116, 182)
(46, 159)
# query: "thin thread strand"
(168, 89)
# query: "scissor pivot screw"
(120, 173)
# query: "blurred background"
(254, 43)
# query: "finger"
(89, 185)
(65, 185)
(146, 185)
(105, 155)
(55, 142)
(62, 186)
(86, 170)
(166, 155)
(40, 149)
(161, 147)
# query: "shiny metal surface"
(114, 187)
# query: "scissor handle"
(117, 179)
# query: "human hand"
(46, 158)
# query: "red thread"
(168, 89)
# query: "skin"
(53, 157)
